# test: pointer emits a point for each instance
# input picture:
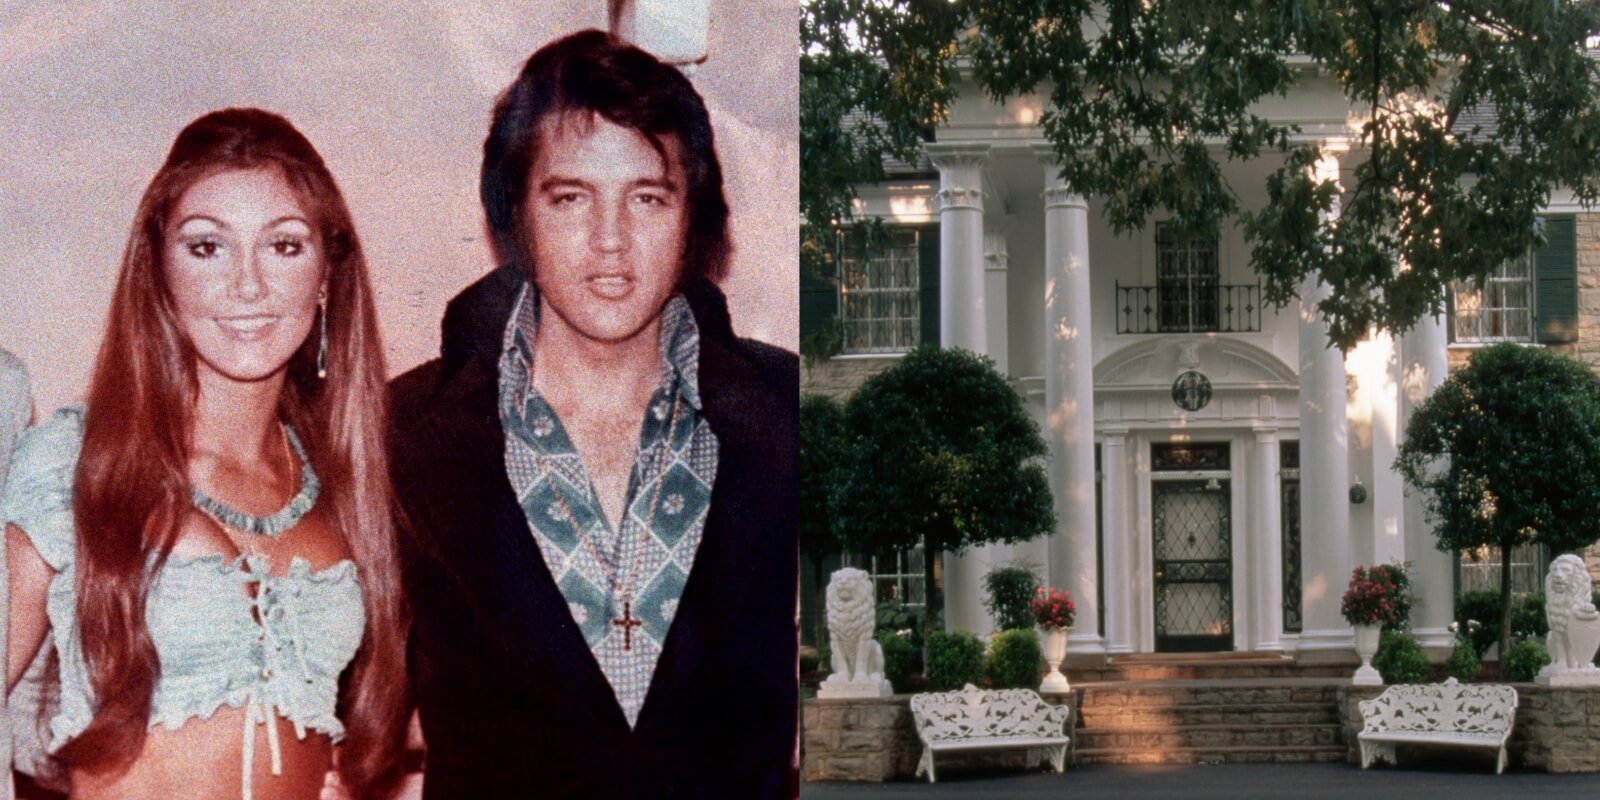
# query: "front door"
(1193, 565)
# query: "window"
(1186, 283)
(1289, 481)
(1501, 309)
(1480, 569)
(879, 306)
(898, 577)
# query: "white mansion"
(1217, 469)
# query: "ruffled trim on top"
(38, 490)
(176, 715)
(299, 567)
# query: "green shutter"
(928, 282)
(819, 302)
(1555, 270)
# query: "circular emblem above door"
(1191, 391)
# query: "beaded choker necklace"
(273, 524)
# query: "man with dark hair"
(600, 478)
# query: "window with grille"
(1187, 282)
(879, 307)
(898, 577)
(1500, 308)
(1480, 569)
(1289, 496)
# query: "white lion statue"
(857, 657)
(1574, 623)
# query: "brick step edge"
(1090, 700)
(1249, 726)
(1214, 755)
(1206, 673)
(1204, 736)
(1091, 708)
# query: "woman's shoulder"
(62, 431)
(38, 489)
(44, 449)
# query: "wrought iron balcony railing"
(1193, 306)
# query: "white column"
(1425, 363)
(1386, 491)
(961, 285)
(1118, 540)
(1266, 528)
(1324, 469)
(1069, 400)
(996, 261)
(962, 324)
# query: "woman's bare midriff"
(203, 760)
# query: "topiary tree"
(1507, 452)
(1006, 594)
(822, 451)
(943, 454)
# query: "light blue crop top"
(201, 616)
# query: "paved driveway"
(1433, 781)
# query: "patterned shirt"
(622, 586)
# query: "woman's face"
(246, 271)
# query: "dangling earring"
(322, 349)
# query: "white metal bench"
(976, 719)
(1449, 713)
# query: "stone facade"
(1588, 238)
(839, 377)
(869, 739)
(1557, 729)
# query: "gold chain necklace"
(627, 622)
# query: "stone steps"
(1144, 717)
(1217, 721)
(1202, 672)
(1203, 736)
(1215, 666)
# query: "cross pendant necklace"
(627, 622)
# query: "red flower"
(1052, 609)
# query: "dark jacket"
(513, 703)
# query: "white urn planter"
(1366, 648)
(1055, 651)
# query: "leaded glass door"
(1193, 555)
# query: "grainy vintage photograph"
(1200, 399)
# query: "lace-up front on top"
(227, 630)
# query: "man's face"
(606, 218)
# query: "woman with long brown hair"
(209, 541)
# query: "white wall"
(395, 95)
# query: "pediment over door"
(1134, 384)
